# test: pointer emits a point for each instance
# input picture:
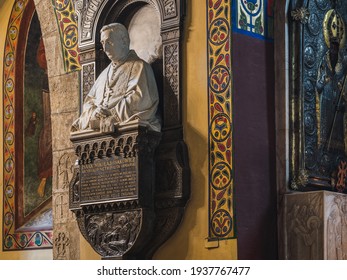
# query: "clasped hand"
(100, 113)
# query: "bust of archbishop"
(124, 92)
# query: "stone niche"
(315, 226)
(131, 185)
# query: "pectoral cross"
(107, 93)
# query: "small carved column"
(315, 226)
(112, 191)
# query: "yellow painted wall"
(189, 240)
(5, 12)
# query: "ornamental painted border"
(253, 18)
(221, 192)
(68, 31)
(13, 240)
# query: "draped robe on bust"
(127, 90)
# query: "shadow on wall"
(191, 220)
(198, 156)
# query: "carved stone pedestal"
(315, 226)
(112, 191)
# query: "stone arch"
(64, 91)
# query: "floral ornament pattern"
(221, 212)
(254, 18)
(66, 18)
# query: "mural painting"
(37, 123)
(27, 212)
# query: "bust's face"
(113, 45)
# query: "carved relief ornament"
(171, 196)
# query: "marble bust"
(124, 92)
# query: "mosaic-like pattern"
(221, 210)
(13, 240)
(254, 18)
(66, 17)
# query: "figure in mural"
(45, 139)
(331, 86)
(31, 127)
(125, 91)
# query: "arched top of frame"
(93, 14)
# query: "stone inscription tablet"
(109, 179)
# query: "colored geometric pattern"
(221, 212)
(66, 18)
(13, 240)
(254, 18)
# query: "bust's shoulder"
(103, 74)
(134, 58)
(137, 63)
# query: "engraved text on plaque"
(109, 179)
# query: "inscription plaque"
(118, 220)
(109, 179)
